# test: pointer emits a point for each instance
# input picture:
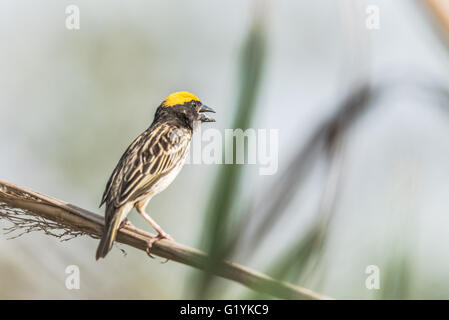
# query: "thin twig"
(80, 221)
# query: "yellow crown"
(179, 98)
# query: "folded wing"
(151, 156)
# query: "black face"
(199, 110)
(190, 112)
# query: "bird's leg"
(161, 233)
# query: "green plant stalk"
(226, 189)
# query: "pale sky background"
(72, 101)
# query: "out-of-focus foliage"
(225, 194)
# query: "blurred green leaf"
(225, 193)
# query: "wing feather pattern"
(151, 156)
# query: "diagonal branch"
(75, 221)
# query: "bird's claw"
(160, 236)
(126, 223)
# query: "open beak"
(205, 118)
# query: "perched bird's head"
(187, 106)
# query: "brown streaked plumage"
(150, 164)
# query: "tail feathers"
(110, 231)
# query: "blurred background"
(362, 114)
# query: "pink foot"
(160, 236)
(126, 223)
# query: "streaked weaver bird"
(150, 164)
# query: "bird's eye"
(194, 103)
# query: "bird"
(150, 164)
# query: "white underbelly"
(165, 181)
(162, 183)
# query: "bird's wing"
(151, 156)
